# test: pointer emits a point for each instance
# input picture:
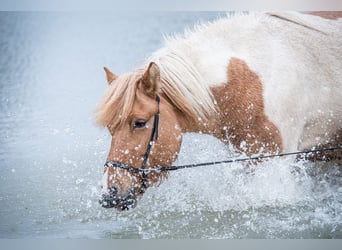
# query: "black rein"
(154, 136)
(259, 157)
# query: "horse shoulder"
(241, 104)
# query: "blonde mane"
(184, 85)
(181, 83)
(115, 107)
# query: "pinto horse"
(263, 82)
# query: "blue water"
(52, 153)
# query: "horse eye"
(139, 124)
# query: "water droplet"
(79, 181)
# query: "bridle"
(142, 171)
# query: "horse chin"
(120, 202)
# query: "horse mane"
(181, 83)
(116, 105)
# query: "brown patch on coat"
(334, 155)
(328, 14)
(242, 109)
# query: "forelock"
(117, 104)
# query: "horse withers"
(264, 82)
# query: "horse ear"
(150, 80)
(110, 76)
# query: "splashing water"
(52, 154)
(276, 199)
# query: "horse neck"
(211, 126)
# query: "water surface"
(52, 153)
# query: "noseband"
(141, 170)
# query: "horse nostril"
(107, 201)
(112, 199)
(130, 201)
(113, 191)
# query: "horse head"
(129, 110)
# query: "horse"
(262, 82)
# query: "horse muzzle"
(120, 202)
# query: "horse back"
(328, 14)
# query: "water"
(51, 152)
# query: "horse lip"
(119, 203)
(107, 202)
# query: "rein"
(259, 157)
(154, 136)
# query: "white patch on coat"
(298, 58)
